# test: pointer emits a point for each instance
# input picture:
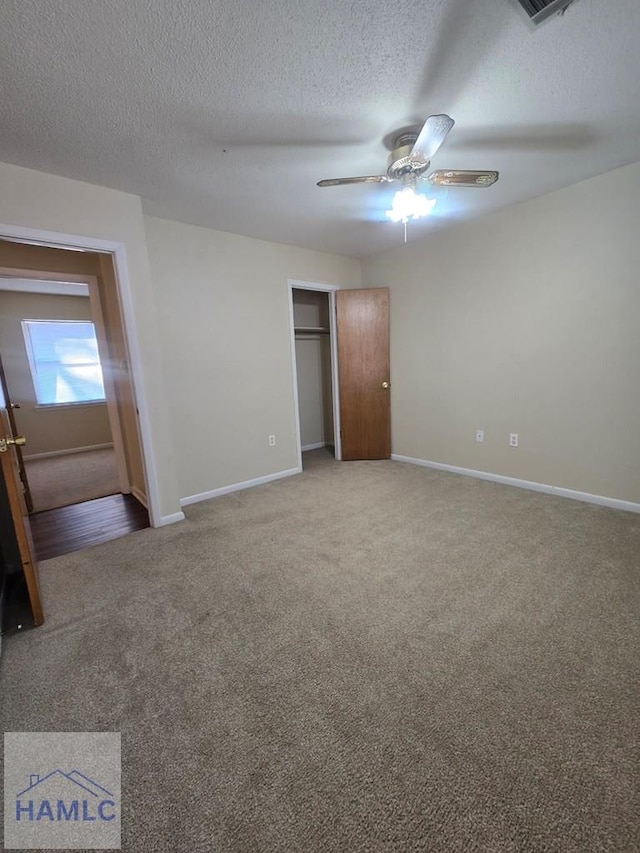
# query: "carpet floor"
(369, 656)
(73, 478)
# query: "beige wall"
(224, 317)
(38, 200)
(46, 429)
(526, 321)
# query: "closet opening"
(315, 370)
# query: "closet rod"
(311, 330)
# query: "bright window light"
(408, 204)
(64, 361)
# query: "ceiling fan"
(409, 160)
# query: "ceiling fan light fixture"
(408, 204)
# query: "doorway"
(54, 380)
(101, 437)
(314, 355)
(353, 363)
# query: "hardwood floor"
(69, 528)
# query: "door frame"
(98, 321)
(58, 240)
(330, 289)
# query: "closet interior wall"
(313, 366)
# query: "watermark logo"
(50, 798)
(62, 809)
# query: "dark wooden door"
(363, 370)
(19, 516)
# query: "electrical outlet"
(513, 439)
(272, 441)
(480, 435)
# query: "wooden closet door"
(362, 319)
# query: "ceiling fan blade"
(433, 134)
(462, 178)
(365, 179)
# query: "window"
(64, 361)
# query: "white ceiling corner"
(226, 114)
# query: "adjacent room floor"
(77, 502)
(69, 528)
(72, 478)
(368, 656)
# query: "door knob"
(15, 405)
(385, 384)
(18, 441)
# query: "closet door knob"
(385, 384)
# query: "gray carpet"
(73, 478)
(369, 656)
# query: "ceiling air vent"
(539, 10)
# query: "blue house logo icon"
(64, 797)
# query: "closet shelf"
(311, 330)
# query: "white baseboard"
(170, 519)
(315, 446)
(613, 503)
(67, 452)
(139, 496)
(236, 487)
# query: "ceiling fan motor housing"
(400, 161)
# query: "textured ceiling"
(226, 114)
